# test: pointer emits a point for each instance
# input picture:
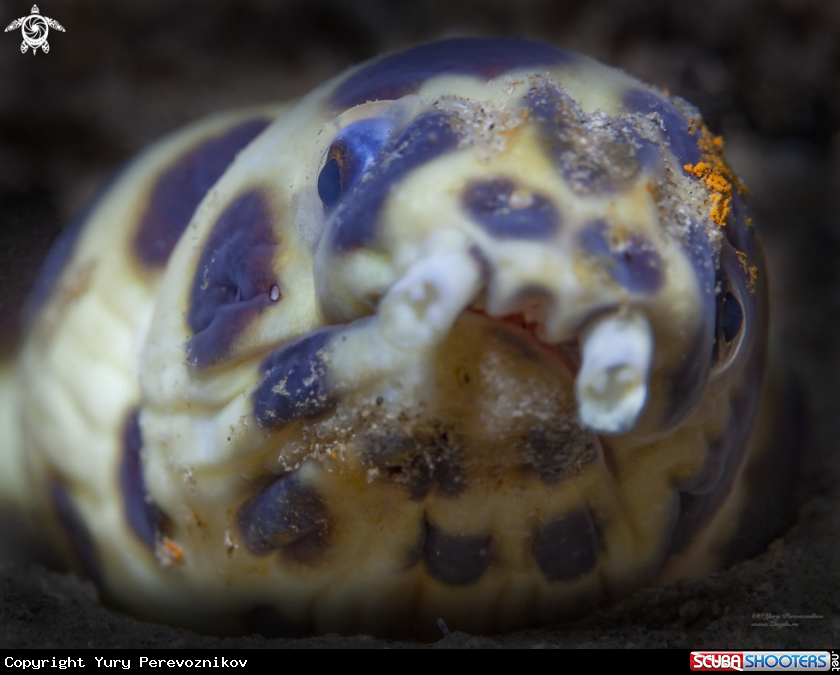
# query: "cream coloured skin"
(459, 335)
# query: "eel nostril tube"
(612, 385)
(421, 307)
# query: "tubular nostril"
(612, 385)
(420, 309)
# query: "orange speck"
(169, 553)
(720, 208)
(753, 272)
(717, 176)
(173, 549)
(698, 169)
(718, 183)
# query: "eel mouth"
(566, 353)
(421, 309)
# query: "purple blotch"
(78, 534)
(396, 75)
(566, 548)
(420, 461)
(634, 264)
(610, 158)
(295, 382)
(356, 215)
(233, 280)
(180, 189)
(283, 514)
(456, 559)
(558, 451)
(143, 516)
(674, 126)
(488, 203)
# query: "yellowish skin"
(111, 339)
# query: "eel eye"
(730, 325)
(330, 178)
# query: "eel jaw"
(611, 387)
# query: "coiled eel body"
(474, 331)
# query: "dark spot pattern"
(234, 279)
(488, 202)
(591, 160)
(62, 251)
(180, 189)
(356, 216)
(78, 535)
(295, 382)
(350, 155)
(632, 263)
(566, 548)
(284, 515)
(420, 461)
(560, 450)
(675, 127)
(143, 516)
(396, 75)
(456, 559)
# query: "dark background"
(765, 74)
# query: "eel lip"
(567, 353)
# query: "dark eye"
(352, 152)
(728, 328)
(731, 317)
(329, 183)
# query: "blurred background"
(765, 74)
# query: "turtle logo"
(34, 28)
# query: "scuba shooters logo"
(717, 661)
(752, 661)
(35, 29)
